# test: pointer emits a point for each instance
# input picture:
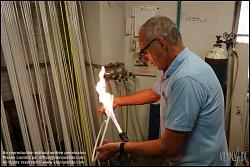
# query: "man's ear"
(163, 42)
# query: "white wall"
(92, 22)
(105, 26)
(202, 21)
(112, 18)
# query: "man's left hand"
(106, 151)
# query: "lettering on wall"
(187, 17)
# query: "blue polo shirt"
(192, 100)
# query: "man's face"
(154, 52)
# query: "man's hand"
(145, 96)
(107, 151)
(101, 109)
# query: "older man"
(192, 105)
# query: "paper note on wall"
(142, 14)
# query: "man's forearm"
(152, 148)
(143, 97)
(167, 146)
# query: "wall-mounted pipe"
(230, 72)
(179, 14)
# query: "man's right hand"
(101, 109)
(145, 96)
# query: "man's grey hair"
(161, 26)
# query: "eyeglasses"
(141, 53)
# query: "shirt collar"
(176, 63)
